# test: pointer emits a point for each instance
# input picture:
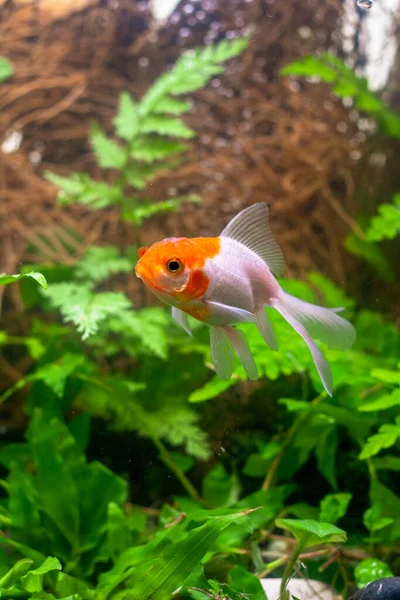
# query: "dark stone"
(387, 588)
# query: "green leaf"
(166, 126)
(373, 519)
(162, 576)
(387, 462)
(248, 584)
(100, 262)
(33, 580)
(80, 188)
(382, 403)
(372, 254)
(386, 437)
(15, 573)
(333, 507)
(55, 374)
(312, 533)
(386, 375)
(152, 148)
(214, 387)
(219, 488)
(371, 569)
(108, 153)
(170, 105)
(84, 308)
(126, 119)
(4, 279)
(140, 212)
(386, 225)
(6, 69)
(310, 67)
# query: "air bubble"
(364, 4)
(12, 141)
(143, 62)
(188, 9)
(184, 32)
(200, 15)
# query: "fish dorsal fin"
(251, 228)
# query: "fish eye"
(174, 265)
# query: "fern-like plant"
(150, 133)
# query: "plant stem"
(289, 568)
(291, 432)
(177, 471)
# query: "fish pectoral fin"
(265, 328)
(230, 314)
(181, 318)
(222, 354)
(239, 342)
(251, 228)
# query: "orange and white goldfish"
(230, 279)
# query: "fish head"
(166, 268)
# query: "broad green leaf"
(126, 119)
(373, 519)
(15, 573)
(371, 569)
(383, 403)
(4, 279)
(387, 376)
(214, 387)
(6, 69)
(219, 488)
(333, 507)
(33, 580)
(389, 507)
(118, 535)
(295, 405)
(108, 153)
(312, 533)
(386, 437)
(387, 462)
(162, 576)
(248, 584)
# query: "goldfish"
(230, 279)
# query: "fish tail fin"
(321, 323)
(287, 306)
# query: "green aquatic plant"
(150, 132)
(200, 523)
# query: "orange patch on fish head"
(172, 268)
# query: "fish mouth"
(140, 271)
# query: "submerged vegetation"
(312, 471)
